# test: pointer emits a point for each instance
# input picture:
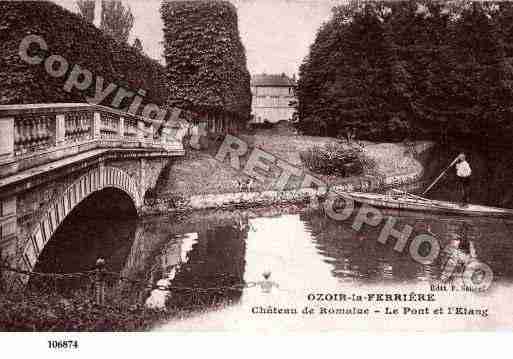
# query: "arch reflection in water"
(301, 249)
(200, 252)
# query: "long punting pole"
(410, 195)
(441, 175)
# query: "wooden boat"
(409, 202)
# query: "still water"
(303, 252)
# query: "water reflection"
(287, 252)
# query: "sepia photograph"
(255, 166)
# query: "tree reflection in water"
(358, 257)
(211, 250)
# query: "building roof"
(272, 80)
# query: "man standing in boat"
(463, 172)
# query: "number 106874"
(63, 344)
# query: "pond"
(312, 263)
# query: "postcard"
(244, 166)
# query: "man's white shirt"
(463, 169)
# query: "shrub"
(80, 43)
(205, 58)
(336, 159)
(53, 312)
(266, 125)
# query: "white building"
(272, 97)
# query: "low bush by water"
(53, 312)
(78, 312)
(336, 159)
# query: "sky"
(275, 33)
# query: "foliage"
(206, 61)
(80, 43)
(116, 20)
(266, 125)
(52, 312)
(86, 9)
(390, 70)
(138, 45)
(335, 159)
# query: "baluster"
(75, 128)
(71, 127)
(33, 133)
(36, 125)
(21, 126)
(41, 134)
(27, 135)
(17, 135)
(46, 129)
(45, 133)
(66, 127)
(88, 126)
(81, 127)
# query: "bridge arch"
(95, 180)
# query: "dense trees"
(205, 58)
(116, 20)
(80, 43)
(86, 9)
(390, 70)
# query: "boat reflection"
(207, 257)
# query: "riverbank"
(58, 313)
(198, 181)
(77, 312)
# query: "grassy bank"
(54, 312)
(200, 173)
(77, 312)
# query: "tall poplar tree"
(116, 20)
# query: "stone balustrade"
(32, 133)
(59, 130)
(78, 126)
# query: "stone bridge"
(55, 157)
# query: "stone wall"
(146, 172)
(268, 198)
